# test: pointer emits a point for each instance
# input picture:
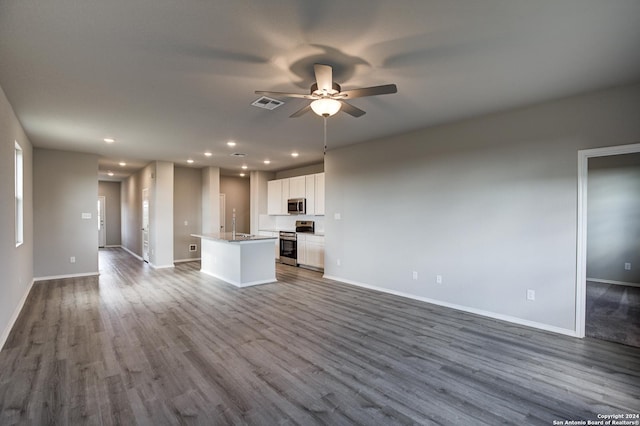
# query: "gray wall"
(65, 185)
(613, 218)
(131, 205)
(300, 171)
(187, 207)
(237, 194)
(490, 204)
(158, 177)
(16, 263)
(111, 193)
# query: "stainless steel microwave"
(297, 206)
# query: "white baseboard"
(488, 314)
(132, 253)
(14, 317)
(58, 277)
(195, 259)
(598, 280)
(171, 265)
(237, 284)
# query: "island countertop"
(231, 238)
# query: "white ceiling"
(172, 79)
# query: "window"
(19, 190)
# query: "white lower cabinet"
(302, 249)
(272, 234)
(311, 250)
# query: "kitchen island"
(240, 259)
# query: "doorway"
(102, 230)
(145, 225)
(581, 274)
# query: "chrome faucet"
(233, 225)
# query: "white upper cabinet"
(310, 193)
(310, 187)
(285, 195)
(274, 197)
(297, 187)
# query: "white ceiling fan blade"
(351, 110)
(301, 111)
(368, 91)
(324, 77)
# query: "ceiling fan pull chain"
(325, 135)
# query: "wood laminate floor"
(174, 346)
(613, 313)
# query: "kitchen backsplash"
(278, 223)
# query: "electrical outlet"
(627, 266)
(338, 262)
(72, 259)
(186, 223)
(438, 279)
(415, 275)
(337, 216)
(531, 295)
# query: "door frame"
(145, 227)
(581, 260)
(102, 222)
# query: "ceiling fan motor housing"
(335, 89)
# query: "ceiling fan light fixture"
(326, 107)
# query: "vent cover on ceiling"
(267, 103)
(238, 154)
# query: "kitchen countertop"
(231, 238)
(318, 234)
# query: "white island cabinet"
(239, 259)
(276, 236)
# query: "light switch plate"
(86, 215)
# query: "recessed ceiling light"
(110, 173)
(231, 143)
(294, 154)
(109, 140)
(267, 161)
(190, 161)
(122, 163)
(244, 167)
(208, 154)
(241, 174)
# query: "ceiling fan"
(327, 96)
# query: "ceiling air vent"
(267, 103)
(238, 154)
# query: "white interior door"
(223, 201)
(102, 230)
(145, 225)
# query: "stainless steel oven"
(288, 248)
(306, 226)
